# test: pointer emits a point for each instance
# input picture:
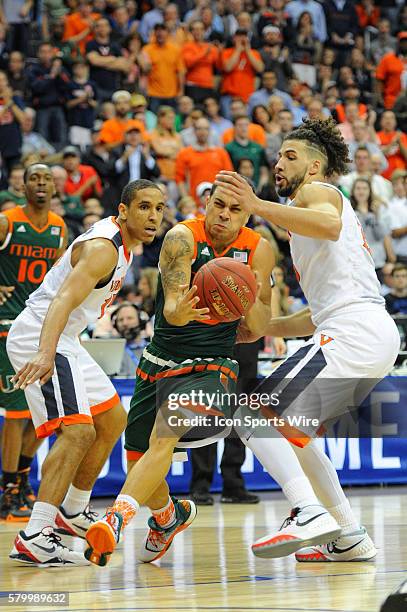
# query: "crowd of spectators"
(107, 91)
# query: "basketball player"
(67, 392)
(353, 337)
(31, 239)
(188, 352)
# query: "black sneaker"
(27, 493)
(240, 497)
(12, 506)
(202, 498)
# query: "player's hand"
(41, 368)
(244, 334)
(238, 188)
(280, 348)
(5, 293)
(186, 309)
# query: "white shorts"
(78, 389)
(330, 375)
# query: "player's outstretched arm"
(296, 325)
(176, 257)
(316, 214)
(93, 262)
(259, 315)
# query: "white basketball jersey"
(101, 297)
(335, 275)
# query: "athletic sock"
(277, 456)
(42, 515)
(324, 479)
(165, 517)
(24, 463)
(75, 500)
(9, 478)
(127, 506)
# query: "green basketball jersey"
(209, 338)
(26, 255)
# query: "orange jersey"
(166, 65)
(390, 70)
(240, 81)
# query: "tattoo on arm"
(175, 251)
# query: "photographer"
(130, 323)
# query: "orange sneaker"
(102, 538)
(12, 506)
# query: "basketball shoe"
(304, 527)
(159, 539)
(12, 507)
(44, 549)
(351, 546)
(75, 525)
(102, 537)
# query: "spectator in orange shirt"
(162, 62)
(256, 132)
(390, 72)
(165, 142)
(82, 181)
(79, 25)
(200, 59)
(239, 66)
(199, 163)
(113, 130)
(394, 144)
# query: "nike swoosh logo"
(47, 550)
(310, 520)
(334, 549)
(79, 527)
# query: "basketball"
(227, 287)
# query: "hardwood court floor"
(211, 568)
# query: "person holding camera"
(130, 323)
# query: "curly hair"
(323, 134)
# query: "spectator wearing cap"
(106, 60)
(256, 132)
(151, 18)
(33, 142)
(262, 96)
(79, 25)
(242, 147)
(393, 143)
(391, 73)
(297, 7)
(49, 83)
(384, 42)
(239, 66)
(142, 113)
(134, 160)
(113, 130)
(81, 105)
(165, 70)
(275, 56)
(11, 119)
(102, 159)
(82, 180)
(217, 123)
(203, 192)
(200, 59)
(201, 162)
(166, 142)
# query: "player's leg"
(29, 447)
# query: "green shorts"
(12, 403)
(162, 379)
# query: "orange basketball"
(227, 287)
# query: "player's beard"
(290, 188)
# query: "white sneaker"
(352, 546)
(306, 526)
(76, 524)
(44, 549)
(159, 539)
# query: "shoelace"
(156, 538)
(89, 514)
(53, 538)
(290, 519)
